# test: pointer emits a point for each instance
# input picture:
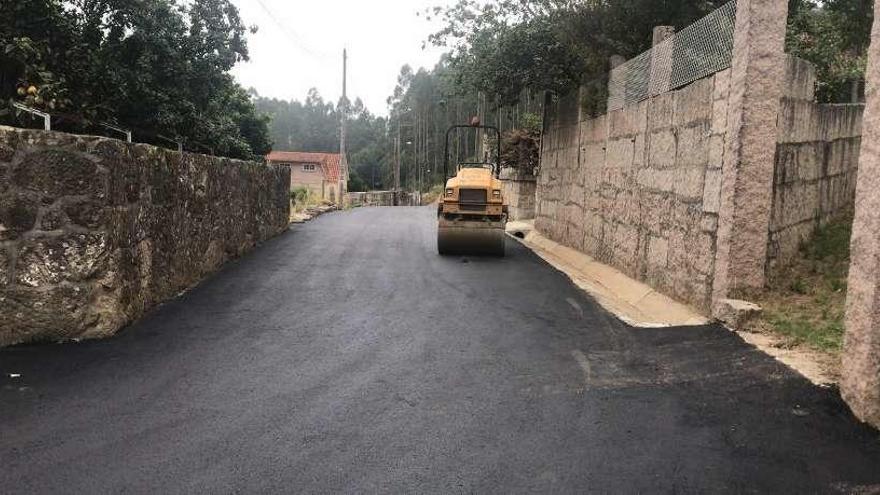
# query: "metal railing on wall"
(120, 130)
(176, 143)
(47, 119)
(697, 51)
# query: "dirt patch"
(309, 213)
(821, 368)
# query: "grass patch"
(805, 300)
(824, 334)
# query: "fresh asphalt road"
(347, 356)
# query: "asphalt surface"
(346, 356)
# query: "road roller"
(472, 214)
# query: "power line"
(290, 34)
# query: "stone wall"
(382, 198)
(370, 198)
(519, 191)
(639, 188)
(817, 156)
(95, 231)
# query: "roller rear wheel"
(470, 241)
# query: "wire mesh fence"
(699, 50)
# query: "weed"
(300, 194)
(805, 300)
(821, 333)
(433, 194)
(831, 242)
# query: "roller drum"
(479, 238)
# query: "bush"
(520, 149)
(300, 195)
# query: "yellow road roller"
(472, 214)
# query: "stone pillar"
(860, 380)
(661, 60)
(757, 70)
(661, 33)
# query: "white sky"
(302, 47)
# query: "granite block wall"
(94, 231)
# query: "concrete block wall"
(816, 163)
(519, 189)
(94, 231)
(638, 188)
(370, 198)
(860, 370)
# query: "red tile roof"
(329, 161)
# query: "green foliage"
(798, 286)
(806, 299)
(822, 335)
(423, 105)
(830, 245)
(834, 35)
(155, 66)
(433, 194)
(503, 47)
(303, 199)
(300, 194)
(531, 122)
(312, 125)
(356, 183)
(520, 149)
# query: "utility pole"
(343, 160)
(396, 192)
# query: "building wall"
(95, 231)
(816, 163)
(639, 188)
(313, 180)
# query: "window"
(309, 167)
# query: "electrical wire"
(291, 35)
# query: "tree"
(505, 47)
(834, 36)
(502, 47)
(155, 66)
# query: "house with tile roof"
(325, 174)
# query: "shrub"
(520, 149)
